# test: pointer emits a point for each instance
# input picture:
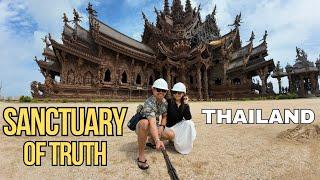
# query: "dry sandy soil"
(220, 151)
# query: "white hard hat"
(160, 84)
(180, 87)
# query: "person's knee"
(170, 135)
(143, 125)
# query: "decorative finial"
(91, 11)
(65, 18)
(252, 37)
(237, 22)
(76, 17)
(144, 17)
(156, 11)
(264, 39)
(46, 41)
(214, 12)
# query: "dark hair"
(183, 105)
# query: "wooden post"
(199, 82)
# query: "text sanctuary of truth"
(78, 121)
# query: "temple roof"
(67, 30)
(75, 52)
(246, 50)
(83, 34)
(268, 63)
(262, 48)
(122, 38)
(49, 65)
(235, 64)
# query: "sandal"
(143, 167)
(149, 144)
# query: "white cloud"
(18, 46)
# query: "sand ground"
(220, 151)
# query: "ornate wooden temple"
(302, 76)
(104, 63)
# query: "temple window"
(150, 80)
(191, 79)
(236, 81)
(124, 77)
(107, 76)
(218, 82)
(175, 80)
(138, 79)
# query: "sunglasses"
(161, 90)
(177, 92)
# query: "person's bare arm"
(163, 123)
(153, 129)
(154, 133)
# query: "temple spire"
(188, 7)
(166, 9)
(176, 6)
(214, 12)
(177, 11)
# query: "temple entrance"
(150, 81)
(138, 79)
(124, 77)
(307, 85)
(107, 76)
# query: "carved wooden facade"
(302, 76)
(104, 63)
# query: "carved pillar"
(199, 82)
(78, 76)
(263, 73)
(206, 88)
(279, 84)
(314, 84)
(290, 84)
(301, 86)
(168, 77)
(183, 71)
(317, 91)
(117, 79)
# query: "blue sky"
(23, 23)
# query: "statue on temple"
(237, 21)
(46, 41)
(35, 89)
(48, 84)
(91, 11)
(76, 17)
(65, 18)
(265, 36)
(252, 37)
